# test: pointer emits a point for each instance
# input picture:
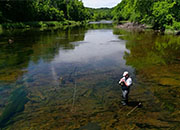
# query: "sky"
(100, 3)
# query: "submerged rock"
(10, 41)
(62, 81)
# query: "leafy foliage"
(100, 14)
(160, 14)
(42, 10)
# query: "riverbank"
(39, 24)
(131, 26)
(141, 27)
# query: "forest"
(42, 10)
(49, 10)
(160, 14)
(100, 13)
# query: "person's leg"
(124, 97)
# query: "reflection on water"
(67, 79)
(102, 22)
(96, 46)
(156, 60)
(68, 75)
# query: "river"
(67, 79)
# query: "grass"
(1, 29)
(39, 24)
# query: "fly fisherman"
(125, 83)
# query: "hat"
(125, 73)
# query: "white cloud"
(100, 3)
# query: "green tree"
(162, 15)
(17, 10)
(101, 13)
(76, 11)
(1, 17)
(46, 12)
(42, 10)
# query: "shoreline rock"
(132, 26)
(178, 33)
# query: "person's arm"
(121, 80)
(128, 82)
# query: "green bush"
(1, 29)
(176, 25)
(14, 25)
(159, 14)
(55, 14)
(53, 24)
(35, 24)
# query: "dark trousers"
(125, 96)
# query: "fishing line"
(54, 74)
(75, 88)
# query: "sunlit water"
(68, 79)
(100, 50)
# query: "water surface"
(68, 79)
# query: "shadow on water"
(90, 126)
(147, 126)
(31, 54)
(16, 104)
(135, 103)
(31, 46)
(155, 59)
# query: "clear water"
(68, 79)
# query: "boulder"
(178, 33)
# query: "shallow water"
(68, 79)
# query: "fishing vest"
(123, 86)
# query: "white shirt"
(128, 81)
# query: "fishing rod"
(139, 104)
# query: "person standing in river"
(125, 82)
